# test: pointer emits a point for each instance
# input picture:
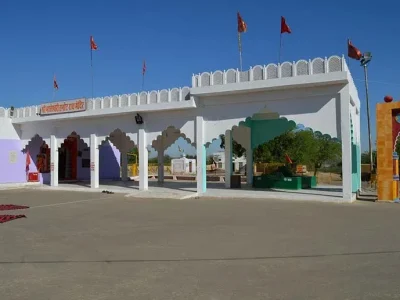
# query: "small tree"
(326, 150)
(238, 150)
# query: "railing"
(143, 98)
(271, 71)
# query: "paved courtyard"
(79, 245)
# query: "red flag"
(242, 26)
(352, 51)
(55, 84)
(288, 160)
(284, 27)
(144, 67)
(28, 161)
(93, 45)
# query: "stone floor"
(183, 190)
(79, 245)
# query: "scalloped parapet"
(272, 71)
(116, 101)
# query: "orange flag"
(93, 45)
(242, 26)
(144, 68)
(55, 84)
(352, 51)
(284, 27)
(288, 159)
(27, 161)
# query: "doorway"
(67, 159)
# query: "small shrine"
(183, 165)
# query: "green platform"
(273, 182)
(308, 182)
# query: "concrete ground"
(78, 245)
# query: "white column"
(124, 165)
(160, 159)
(94, 162)
(228, 158)
(201, 156)
(346, 143)
(249, 166)
(53, 161)
(143, 161)
(359, 148)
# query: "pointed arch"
(120, 140)
(168, 137)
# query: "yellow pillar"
(395, 177)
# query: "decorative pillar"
(143, 161)
(345, 129)
(201, 156)
(395, 185)
(94, 162)
(124, 165)
(160, 160)
(228, 158)
(53, 161)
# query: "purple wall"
(12, 172)
(109, 162)
(15, 172)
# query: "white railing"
(143, 98)
(271, 71)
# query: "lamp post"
(365, 59)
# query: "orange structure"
(387, 134)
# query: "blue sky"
(178, 38)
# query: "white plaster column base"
(94, 162)
(143, 161)
(346, 143)
(201, 156)
(53, 161)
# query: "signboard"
(12, 157)
(63, 107)
(52, 167)
(92, 166)
(301, 169)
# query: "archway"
(73, 159)
(179, 164)
(259, 130)
(39, 152)
(117, 157)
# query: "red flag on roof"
(144, 68)
(284, 27)
(242, 26)
(288, 159)
(27, 161)
(352, 51)
(93, 45)
(55, 84)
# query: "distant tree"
(325, 150)
(238, 150)
(365, 158)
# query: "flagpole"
(143, 82)
(280, 48)
(240, 52)
(91, 67)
